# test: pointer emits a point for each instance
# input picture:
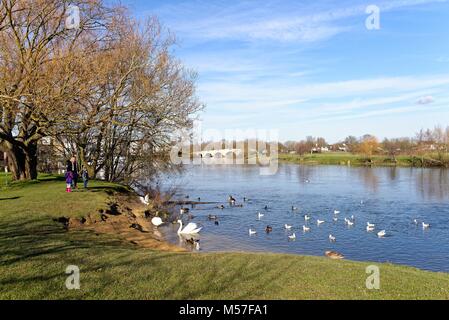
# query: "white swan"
(191, 228)
(306, 218)
(370, 225)
(332, 238)
(369, 229)
(350, 223)
(252, 232)
(336, 212)
(288, 227)
(156, 221)
(260, 215)
(292, 237)
(382, 234)
(319, 222)
(425, 225)
(335, 219)
(305, 229)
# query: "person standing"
(68, 177)
(74, 170)
(85, 176)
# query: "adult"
(72, 166)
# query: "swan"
(369, 229)
(415, 221)
(252, 232)
(292, 237)
(336, 212)
(332, 238)
(260, 215)
(294, 208)
(350, 223)
(335, 219)
(305, 229)
(306, 218)
(288, 227)
(425, 225)
(191, 228)
(320, 222)
(382, 234)
(156, 221)
(370, 225)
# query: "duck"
(371, 225)
(382, 234)
(332, 238)
(334, 255)
(425, 225)
(231, 199)
(415, 221)
(260, 215)
(335, 219)
(287, 227)
(306, 218)
(292, 237)
(268, 229)
(319, 222)
(221, 207)
(266, 207)
(183, 210)
(294, 208)
(305, 229)
(197, 245)
(252, 232)
(156, 221)
(199, 199)
(217, 223)
(212, 217)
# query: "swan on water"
(260, 215)
(306, 218)
(320, 222)
(332, 238)
(292, 237)
(252, 232)
(425, 225)
(288, 227)
(382, 234)
(305, 229)
(191, 228)
(370, 225)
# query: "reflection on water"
(389, 197)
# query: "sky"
(313, 67)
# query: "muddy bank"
(126, 218)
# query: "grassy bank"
(344, 158)
(35, 252)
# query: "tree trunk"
(22, 161)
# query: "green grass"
(35, 252)
(344, 158)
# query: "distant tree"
(368, 145)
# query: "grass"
(345, 158)
(35, 252)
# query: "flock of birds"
(193, 228)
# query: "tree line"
(110, 91)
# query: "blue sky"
(312, 67)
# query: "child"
(68, 181)
(85, 176)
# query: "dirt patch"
(125, 218)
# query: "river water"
(391, 198)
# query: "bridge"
(221, 153)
